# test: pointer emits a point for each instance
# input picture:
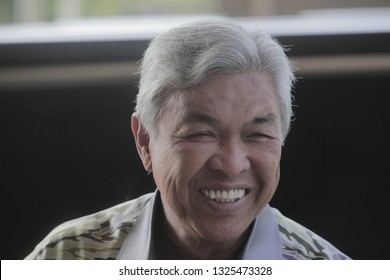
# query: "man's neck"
(176, 244)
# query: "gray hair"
(188, 55)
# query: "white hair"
(190, 54)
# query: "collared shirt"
(125, 232)
(263, 242)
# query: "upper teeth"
(224, 196)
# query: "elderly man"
(212, 114)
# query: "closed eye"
(259, 136)
(201, 135)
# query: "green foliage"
(135, 7)
(103, 8)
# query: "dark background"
(67, 149)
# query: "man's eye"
(201, 135)
(259, 135)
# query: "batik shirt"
(125, 232)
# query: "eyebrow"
(269, 118)
(194, 117)
(198, 117)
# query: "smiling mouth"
(224, 196)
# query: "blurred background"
(15, 11)
(68, 81)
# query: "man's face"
(215, 157)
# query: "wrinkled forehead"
(226, 97)
(240, 91)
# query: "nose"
(232, 159)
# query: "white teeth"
(224, 196)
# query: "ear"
(142, 141)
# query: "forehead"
(236, 94)
(227, 101)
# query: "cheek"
(268, 174)
(266, 156)
(267, 168)
(173, 170)
(166, 165)
(186, 159)
(273, 166)
(170, 182)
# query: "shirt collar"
(263, 242)
(138, 242)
